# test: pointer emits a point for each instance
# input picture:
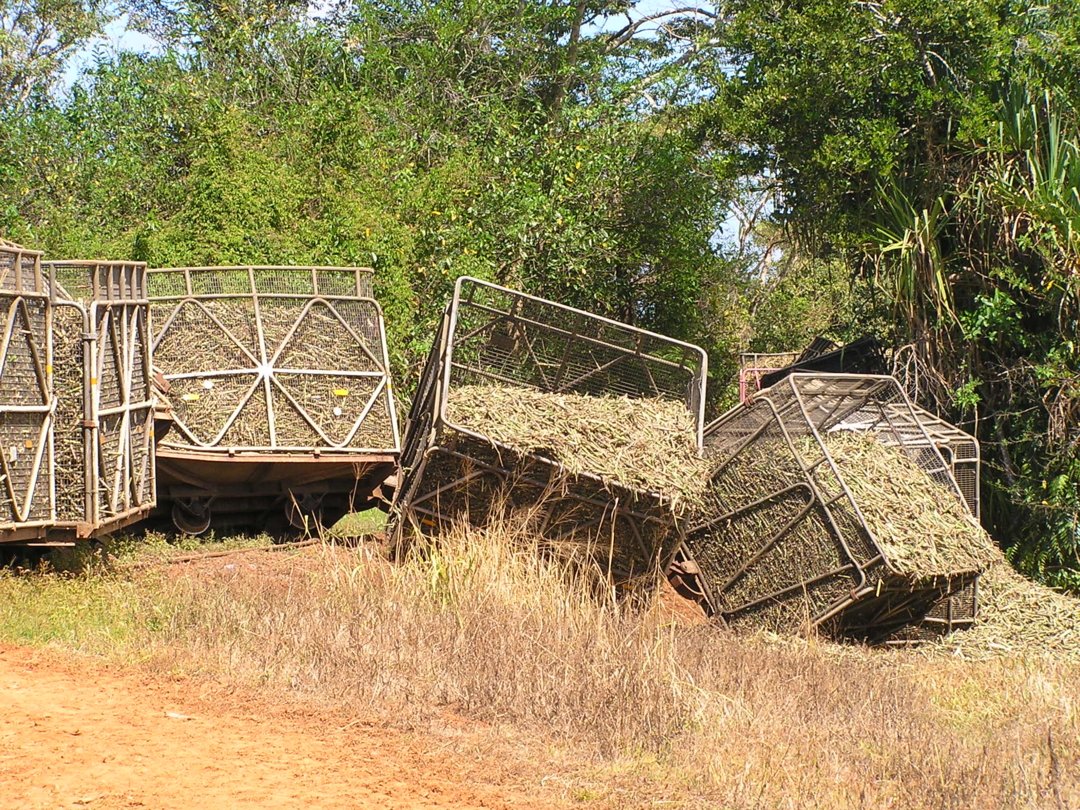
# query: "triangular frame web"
(173, 348)
(314, 395)
(215, 408)
(322, 340)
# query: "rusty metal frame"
(22, 282)
(111, 298)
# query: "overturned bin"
(830, 506)
(587, 427)
(280, 413)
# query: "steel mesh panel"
(960, 451)
(967, 478)
(781, 522)
(293, 425)
(235, 318)
(339, 406)
(322, 339)
(112, 463)
(25, 399)
(250, 424)
(796, 609)
(205, 407)
(22, 499)
(141, 489)
(313, 335)
(224, 281)
(177, 350)
(111, 372)
(493, 335)
(23, 378)
(111, 316)
(279, 318)
(141, 369)
(504, 336)
(362, 318)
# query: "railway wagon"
(277, 388)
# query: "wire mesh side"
(264, 280)
(122, 407)
(26, 462)
(767, 546)
(102, 381)
(961, 452)
(287, 360)
(96, 280)
(500, 336)
(466, 481)
(20, 271)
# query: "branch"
(628, 31)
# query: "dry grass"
(652, 709)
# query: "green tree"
(37, 37)
(428, 140)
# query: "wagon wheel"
(191, 515)
(307, 514)
(303, 511)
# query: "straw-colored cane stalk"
(642, 444)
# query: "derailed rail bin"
(103, 438)
(282, 414)
(532, 350)
(818, 506)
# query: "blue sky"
(118, 36)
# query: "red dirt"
(76, 732)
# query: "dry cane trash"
(641, 444)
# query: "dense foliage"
(905, 167)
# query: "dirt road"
(77, 733)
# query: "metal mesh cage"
(25, 400)
(784, 542)
(493, 335)
(103, 419)
(960, 450)
(277, 360)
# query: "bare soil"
(76, 732)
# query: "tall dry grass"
(488, 627)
